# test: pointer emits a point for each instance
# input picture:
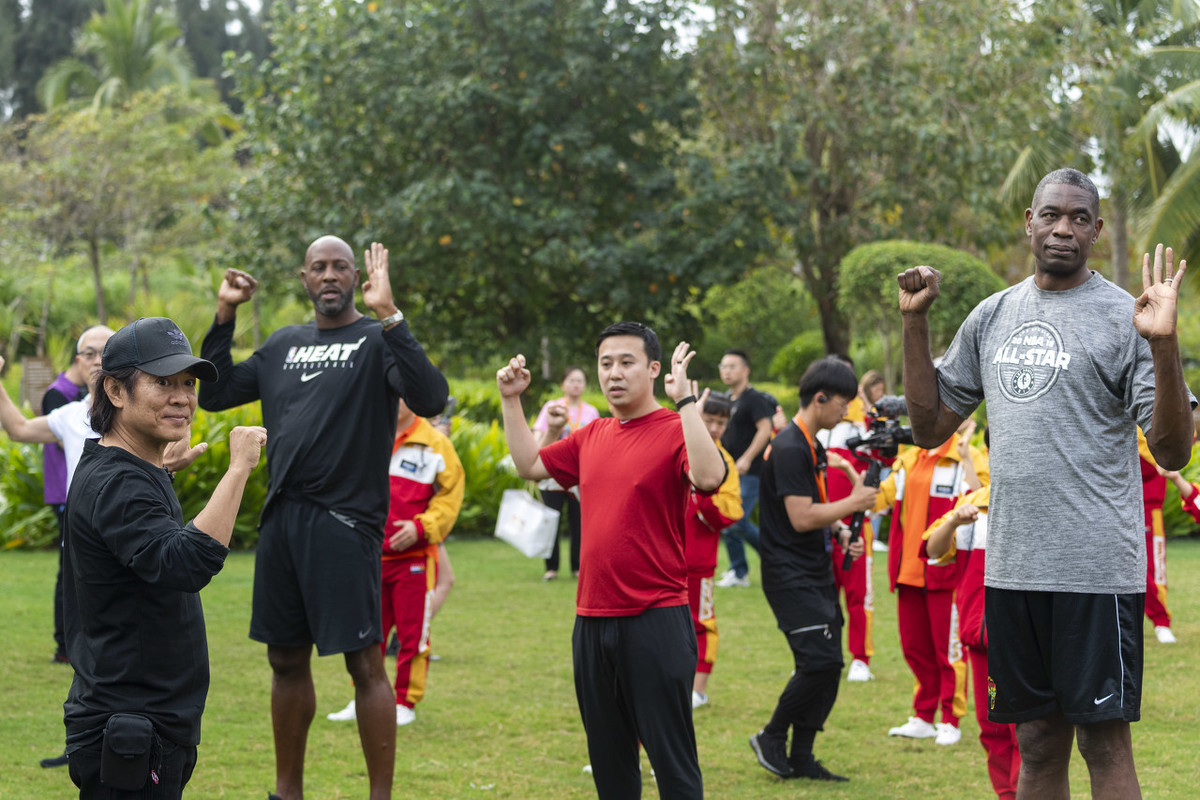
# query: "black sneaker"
(816, 771)
(57, 761)
(771, 753)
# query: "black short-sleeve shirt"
(751, 406)
(791, 558)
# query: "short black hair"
(719, 404)
(103, 413)
(574, 368)
(1069, 177)
(733, 351)
(830, 375)
(845, 359)
(644, 332)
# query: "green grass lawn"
(500, 719)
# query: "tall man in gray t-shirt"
(1066, 379)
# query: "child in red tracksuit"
(427, 482)
(961, 537)
(1154, 490)
(707, 516)
(924, 485)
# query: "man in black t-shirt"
(797, 573)
(134, 570)
(329, 392)
(745, 438)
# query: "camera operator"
(797, 576)
(855, 582)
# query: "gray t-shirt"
(1067, 380)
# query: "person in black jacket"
(329, 392)
(134, 624)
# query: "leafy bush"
(794, 357)
(867, 292)
(484, 454)
(25, 519)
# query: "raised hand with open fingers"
(1155, 312)
(676, 384)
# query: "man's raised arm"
(706, 467)
(19, 427)
(1155, 316)
(932, 421)
(512, 379)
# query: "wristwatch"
(387, 322)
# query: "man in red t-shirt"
(633, 648)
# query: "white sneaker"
(345, 715)
(915, 728)
(859, 671)
(947, 734)
(1163, 634)
(699, 699)
(404, 715)
(730, 578)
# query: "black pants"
(811, 620)
(60, 639)
(633, 681)
(557, 500)
(174, 770)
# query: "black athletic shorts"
(1061, 651)
(316, 580)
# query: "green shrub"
(484, 454)
(794, 357)
(25, 519)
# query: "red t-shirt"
(633, 486)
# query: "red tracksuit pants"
(704, 620)
(855, 584)
(929, 639)
(407, 595)
(1156, 571)
(999, 741)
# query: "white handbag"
(526, 524)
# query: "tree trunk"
(833, 324)
(545, 348)
(94, 258)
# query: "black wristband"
(683, 401)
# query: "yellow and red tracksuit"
(924, 485)
(427, 480)
(970, 552)
(855, 582)
(707, 516)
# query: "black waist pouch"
(129, 741)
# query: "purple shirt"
(54, 460)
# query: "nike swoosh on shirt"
(1100, 700)
(308, 376)
(367, 632)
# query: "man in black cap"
(134, 624)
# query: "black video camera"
(885, 434)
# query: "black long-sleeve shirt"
(329, 406)
(134, 625)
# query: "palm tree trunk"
(1120, 240)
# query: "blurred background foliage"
(735, 173)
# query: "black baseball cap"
(154, 345)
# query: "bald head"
(88, 350)
(329, 246)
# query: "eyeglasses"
(89, 353)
